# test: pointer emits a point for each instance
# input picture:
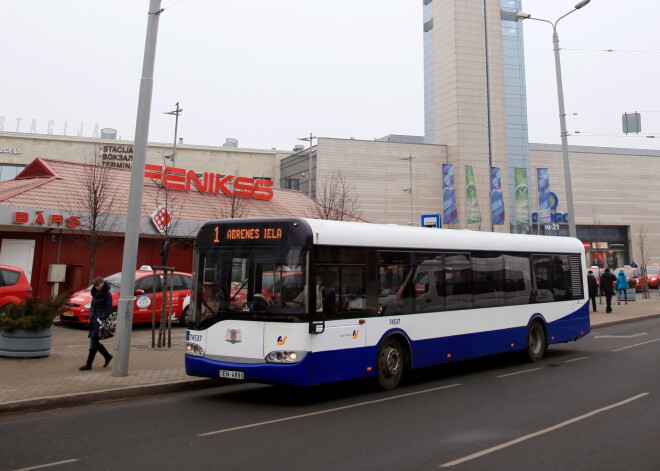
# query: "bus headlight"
(194, 349)
(285, 357)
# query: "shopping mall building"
(473, 168)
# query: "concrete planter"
(25, 344)
(631, 293)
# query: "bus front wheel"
(390, 364)
(537, 344)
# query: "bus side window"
(343, 289)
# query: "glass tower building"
(474, 98)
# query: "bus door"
(339, 351)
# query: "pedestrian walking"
(100, 309)
(621, 287)
(607, 281)
(592, 283)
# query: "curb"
(624, 321)
(106, 395)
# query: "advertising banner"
(449, 211)
(543, 179)
(521, 197)
(473, 213)
(496, 202)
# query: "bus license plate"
(231, 374)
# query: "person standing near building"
(607, 281)
(100, 309)
(621, 287)
(593, 288)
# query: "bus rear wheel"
(390, 364)
(537, 344)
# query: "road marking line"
(636, 345)
(47, 465)
(518, 373)
(576, 359)
(619, 336)
(327, 411)
(541, 432)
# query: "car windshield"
(252, 283)
(653, 270)
(114, 280)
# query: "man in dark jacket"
(100, 310)
(607, 280)
(593, 288)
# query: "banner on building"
(496, 202)
(473, 213)
(521, 197)
(543, 179)
(449, 211)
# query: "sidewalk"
(55, 381)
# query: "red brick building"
(45, 215)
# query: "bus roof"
(326, 232)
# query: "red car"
(77, 308)
(653, 275)
(14, 285)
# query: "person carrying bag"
(100, 310)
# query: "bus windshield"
(250, 283)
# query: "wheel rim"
(392, 361)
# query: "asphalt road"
(592, 404)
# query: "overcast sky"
(267, 72)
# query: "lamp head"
(581, 4)
(521, 15)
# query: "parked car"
(78, 306)
(653, 275)
(14, 285)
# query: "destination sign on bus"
(252, 233)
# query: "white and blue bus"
(303, 302)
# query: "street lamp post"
(410, 188)
(132, 235)
(311, 140)
(176, 113)
(572, 232)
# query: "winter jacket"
(621, 281)
(100, 309)
(593, 285)
(607, 280)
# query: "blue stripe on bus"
(340, 365)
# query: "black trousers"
(593, 302)
(608, 300)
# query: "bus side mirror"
(317, 327)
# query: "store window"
(9, 171)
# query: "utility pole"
(410, 188)
(176, 113)
(132, 237)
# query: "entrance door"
(18, 253)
